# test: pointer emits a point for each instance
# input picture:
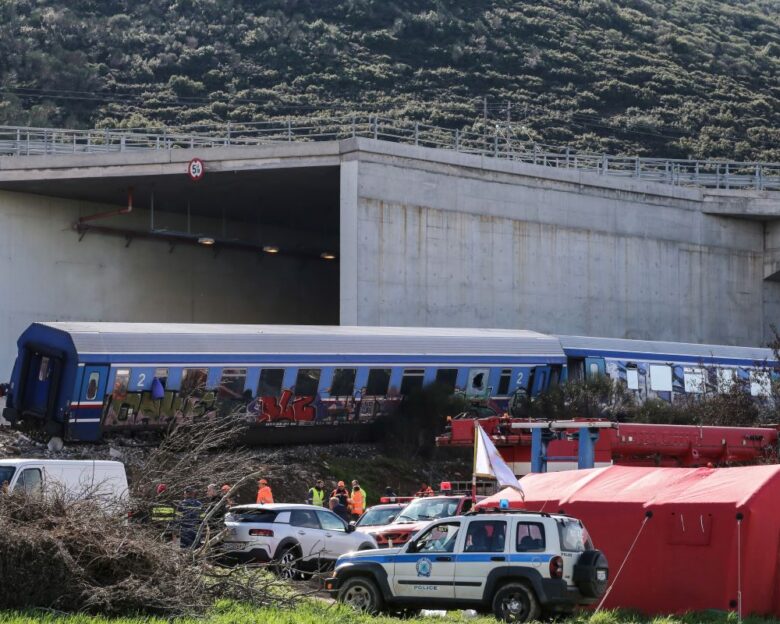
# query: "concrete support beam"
(764, 205)
(349, 259)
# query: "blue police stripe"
(461, 557)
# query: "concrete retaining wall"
(459, 243)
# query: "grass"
(315, 612)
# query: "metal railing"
(495, 141)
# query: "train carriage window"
(270, 384)
(726, 379)
(447, 377)
(694, 380)
(378, 381)
(307, 382)
(504, 381)
(121, 382)
(43, 369)
(193, 382)
(162, 376)
(343, 383)
(660, 377)
(555, 374)
(477, 381)
(760, 383)
(92, 386)
(231, 386)
(632, 377)
(576, 368)
(412, 380)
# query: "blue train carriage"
(671, 370)
(81, 380)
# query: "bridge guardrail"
(496, 142)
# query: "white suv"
(519, 565)
(295, 537)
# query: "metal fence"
(496, 141)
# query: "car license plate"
(233, 545)
(601, 575)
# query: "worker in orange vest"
(264, 494)
(358, 501)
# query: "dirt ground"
(290, 470)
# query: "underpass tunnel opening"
(258, 246)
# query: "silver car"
(295, 537)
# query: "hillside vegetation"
(684, 78)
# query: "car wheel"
(361, 594)
(366, 546)
(286, 566)
(515, 602)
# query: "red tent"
(702, 534)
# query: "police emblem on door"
(424, 567)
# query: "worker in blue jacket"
(188, 515)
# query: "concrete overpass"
(373, 232)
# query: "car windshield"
(377, 516)
(6, 474)
(429, 509)
(574, 537)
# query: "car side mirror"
(352, 523)
(350, 528)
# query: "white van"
(76, 478)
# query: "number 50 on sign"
(196, 169)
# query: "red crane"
(628, 444)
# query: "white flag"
(489, 463)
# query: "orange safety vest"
(264, 495)
(358, 503)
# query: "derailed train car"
(310, 383)
(82, 380)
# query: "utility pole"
(484, 109)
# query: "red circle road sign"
(196, 169)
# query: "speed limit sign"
(195, 169)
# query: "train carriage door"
(540, 381)
(41, 383)
(594, 367)
(87, 408)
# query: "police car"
(519, 565)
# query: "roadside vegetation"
(81, 552)
(317, 612)
(671, 78)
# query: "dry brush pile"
(69, 553)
